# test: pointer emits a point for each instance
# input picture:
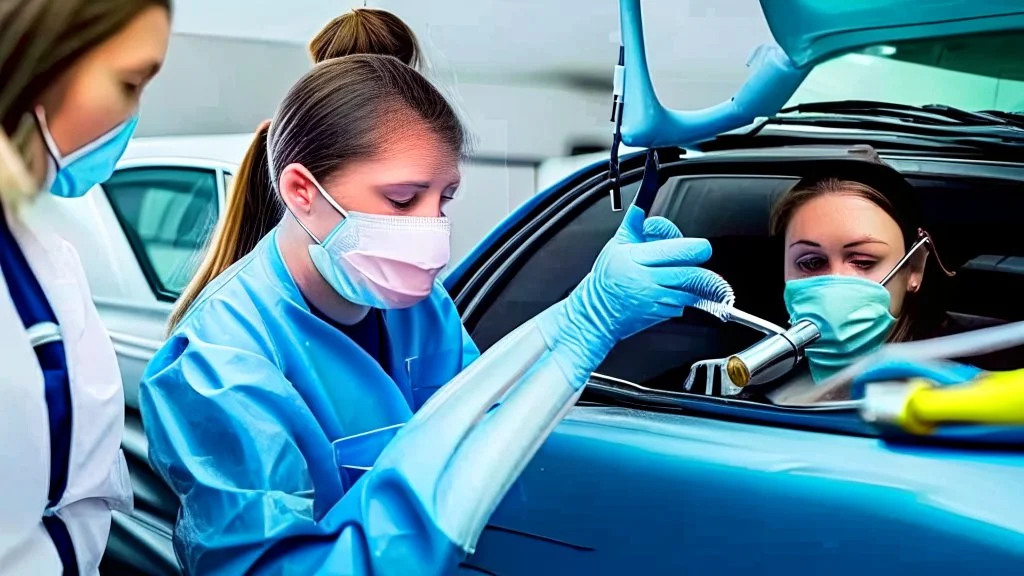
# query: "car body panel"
(226, 149)
(617, 489)
(813, 30)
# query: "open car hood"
(807, 32)
(810, 31)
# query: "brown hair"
(811, 188)
(342, 110)
(39, 41)
(366, 31)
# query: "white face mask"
(386, 262)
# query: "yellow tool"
(918, 406)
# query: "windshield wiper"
(936, 114)
(1012, 118)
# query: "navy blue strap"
(58, 532)
(34, 309)
(58, 403)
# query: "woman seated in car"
(855, 257)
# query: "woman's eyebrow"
(862, 241)
(393, 185)
(805, 243)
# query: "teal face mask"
(73, 175)
(851, 312)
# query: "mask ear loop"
(330, 201)
(923, 237)
(51, 145)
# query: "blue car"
(646, 475)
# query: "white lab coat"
(97, 475)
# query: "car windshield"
(978, 72)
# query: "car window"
(659, 357)
(167, 213)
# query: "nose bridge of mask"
(387, 237)
(817, 287)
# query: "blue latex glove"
(645, 275)
(942, 372)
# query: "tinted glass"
(659, 357)
(167, 214)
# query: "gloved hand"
(645, 275)
(942, 372)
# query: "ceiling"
(574, 40)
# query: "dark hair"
(42, 39)
(366, 31)
(811, 188)
(343, 110)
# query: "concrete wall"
(218, 85)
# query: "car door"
(166, 211)
(679, 483)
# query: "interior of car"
(971, 211)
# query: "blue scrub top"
(250, 407)
(370, 334)
(33, 307)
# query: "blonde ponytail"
(253, 210)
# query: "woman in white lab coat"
(71, 73)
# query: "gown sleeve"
(247, 499)
(257, 479)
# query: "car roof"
(226, 148)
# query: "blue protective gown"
(243, 406)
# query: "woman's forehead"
(429, 164)
(141, 43)
(840, 219)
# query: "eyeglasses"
(923, 237)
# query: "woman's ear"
(917, 264)
(297, 188)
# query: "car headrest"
(721, 205)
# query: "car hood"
(810, 31)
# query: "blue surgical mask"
(852, 314)
(73, 175)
